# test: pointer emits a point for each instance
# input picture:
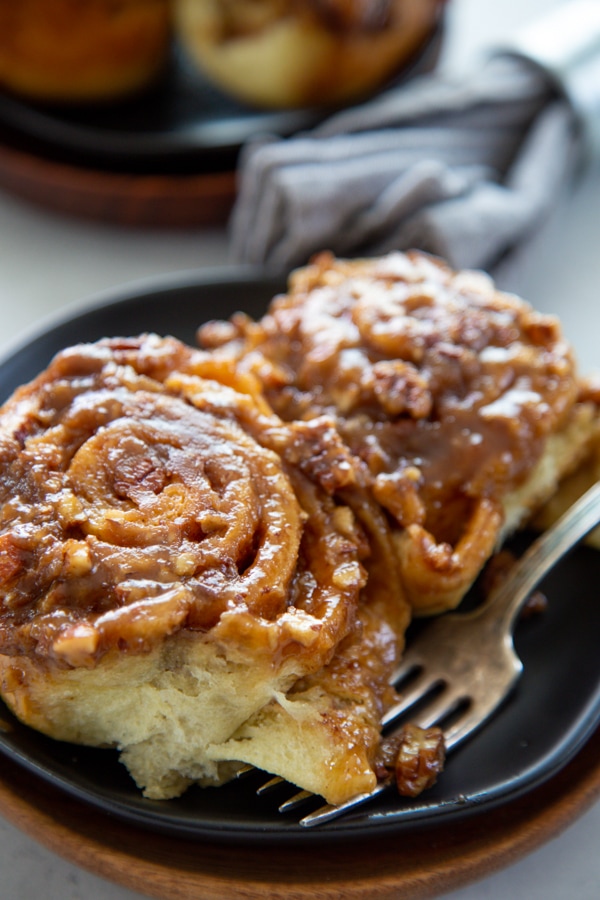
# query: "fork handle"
(506, 602)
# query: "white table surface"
(49, 262)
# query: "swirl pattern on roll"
(444, 389)
(129, 513)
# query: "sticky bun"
(77, 51)
(175, 585)
(460, 405)
(290, 53)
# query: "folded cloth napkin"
(464, 168)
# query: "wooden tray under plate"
(419, 864)
(161, 200)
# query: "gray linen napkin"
(462, 168)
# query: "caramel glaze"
(443, 389)
(277, 490)
(141, 496)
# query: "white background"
(48, 262)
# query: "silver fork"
(463, 665)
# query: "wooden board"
(163, 201)
(415, 865)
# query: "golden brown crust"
(447, 392)
(82, 50)
(172, 551)
(131, 509)
(583, 475)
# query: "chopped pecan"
(416, 756)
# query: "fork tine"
(270, 785)
(328, 812)
(474, 717)
(422, 685)
(295, 801)
(440, 708)
(443, 706)
(461, 729)
(409, 665)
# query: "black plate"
(180, 124)
(551, 714)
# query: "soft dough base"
(163, 709)
(189, 712)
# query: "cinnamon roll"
(459, 404)
(175, 582)
(73, 51)
(290, 53)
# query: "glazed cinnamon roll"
(459, 404)
(175, 581)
